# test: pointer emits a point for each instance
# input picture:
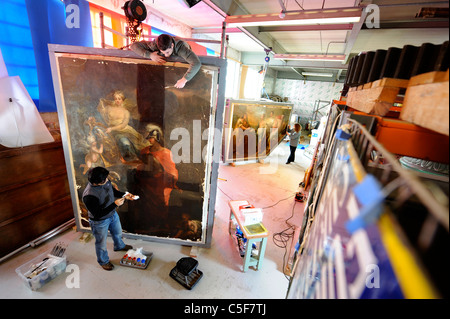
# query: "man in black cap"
(101, 200)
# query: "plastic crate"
(42, 269)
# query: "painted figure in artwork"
(117, 117)
(242, 122)
(270, 120)
(164, 205)
(187, 228)
(94, 154)
(156, 177)
(262, 135)
(274, 130)
(95, 145)
(241, 129)
(158, 159)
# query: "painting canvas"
(122, 112)
(253, 129)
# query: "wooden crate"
(376, 97)
(426, 101)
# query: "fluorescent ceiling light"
(311, 57)
(327, 75)
(305, 17)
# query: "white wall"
(304, 94)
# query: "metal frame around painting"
(257, 108)
(212, 143)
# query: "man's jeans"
(100, 231)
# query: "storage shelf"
(423, 100)
(404, 138)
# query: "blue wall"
(26, 29)
(16, 44)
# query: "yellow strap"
(358, 169)
(412, 280)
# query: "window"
(115, 21)
(253, 84)
(96, 32)
(232, 81)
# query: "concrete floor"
(272, 189)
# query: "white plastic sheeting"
(3, 71)
(20, 122)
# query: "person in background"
(293, 141)
(101, 200)
(165, 46)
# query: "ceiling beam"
(226, 7)
(413, 24)
(354, 35)
(294, 76)
(299, 73)
(316, 65)
(310, 57)
(266, 39)
(304, 17)
(338, 75)
(321, 27)
(256, 58)
(232, 7)
(410, 4)
(215, 30)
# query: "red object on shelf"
(403, 138)
(246, 206)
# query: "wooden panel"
(426, 102)
(21, 232)
(376, 97)
(37, 194)
(34, 193)
(21, 165)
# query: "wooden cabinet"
(34, 193)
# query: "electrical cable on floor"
(290, 196)
(279, 201)
(224, 193)
(281, 239)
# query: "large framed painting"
(121, 111)
(253, 129)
